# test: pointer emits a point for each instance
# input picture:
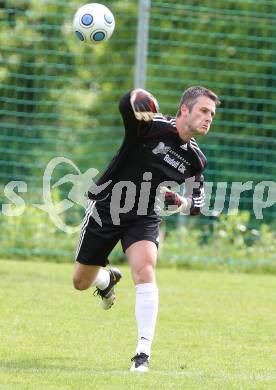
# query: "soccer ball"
(93, 23)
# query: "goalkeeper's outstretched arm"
(138, 108)
(144, 104)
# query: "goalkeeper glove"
(174, 203)
(144, 105)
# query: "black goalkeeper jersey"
(153, 153)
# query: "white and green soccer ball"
(93, 23)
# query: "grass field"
(215, 331)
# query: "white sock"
(146, 313)
(102, 280)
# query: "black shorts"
(96, 241)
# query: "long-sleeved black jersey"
(152, 154)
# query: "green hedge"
(228, 243)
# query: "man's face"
(199, 119)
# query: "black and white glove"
(174, 203)
(144, 105)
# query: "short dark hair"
(191, 94)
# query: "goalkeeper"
(157, 150)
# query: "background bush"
(229, 243)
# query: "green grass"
(215, 331)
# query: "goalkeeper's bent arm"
(190, 204)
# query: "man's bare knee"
(84, 275)
(144, 274)
(80, 284)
